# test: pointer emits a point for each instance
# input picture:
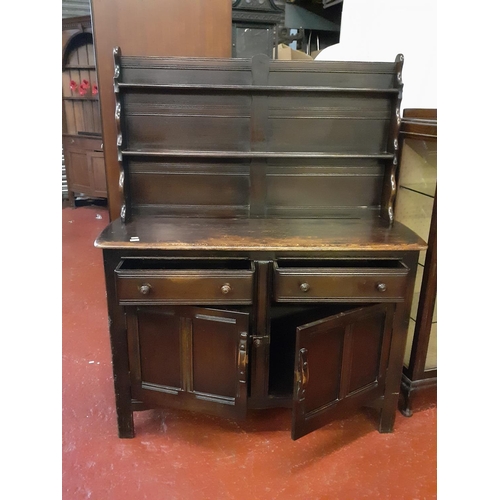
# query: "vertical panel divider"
(259, 137)
(134, 350)
(345, 371)
(260, 335)
(187, 354)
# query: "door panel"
(324, 358)
(214, 354)
(340, 363)
(366, 335)
(189, 358)
(78, 170)
(159, 349)
(98, 170)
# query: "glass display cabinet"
(416, 208)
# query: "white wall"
(379, 30)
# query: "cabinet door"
(190, 358)
(340, 364)
(98, 172)
(78, 171)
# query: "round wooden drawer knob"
(225, 289)
(381, 287)
(305, 287)
(145, 289)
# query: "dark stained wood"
(340, 284)
(154, 340)
(149, 27)
(259, 381)
(397, 349)
(389, 189)
(319, 146)
(259, 188)
(165, 233)
(191, 285)
(357, 341)
(119, 350)
(188, 357)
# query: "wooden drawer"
(184, 281)
(339, 280)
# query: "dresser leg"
(388, 415)
(119, 350)
(125, 424)
(406, 404)
(395, 366)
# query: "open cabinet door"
(340, 363)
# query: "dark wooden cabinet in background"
(256, 262)
(82, 140)
(255, 27)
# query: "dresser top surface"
(247, 234)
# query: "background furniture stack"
(82, 138)
(193, 28)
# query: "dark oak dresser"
(257, 263)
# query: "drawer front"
(325, 285)
(189, 288)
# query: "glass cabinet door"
(416, 207)
(417, 190)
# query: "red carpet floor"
(182, 456)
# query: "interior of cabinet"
(183, 264)
(416, 207)
(417, 188)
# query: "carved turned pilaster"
(124, 215)
(390, 184)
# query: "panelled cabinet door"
(98, 172)
(78, 170)
(189, 358)
(340, 363)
